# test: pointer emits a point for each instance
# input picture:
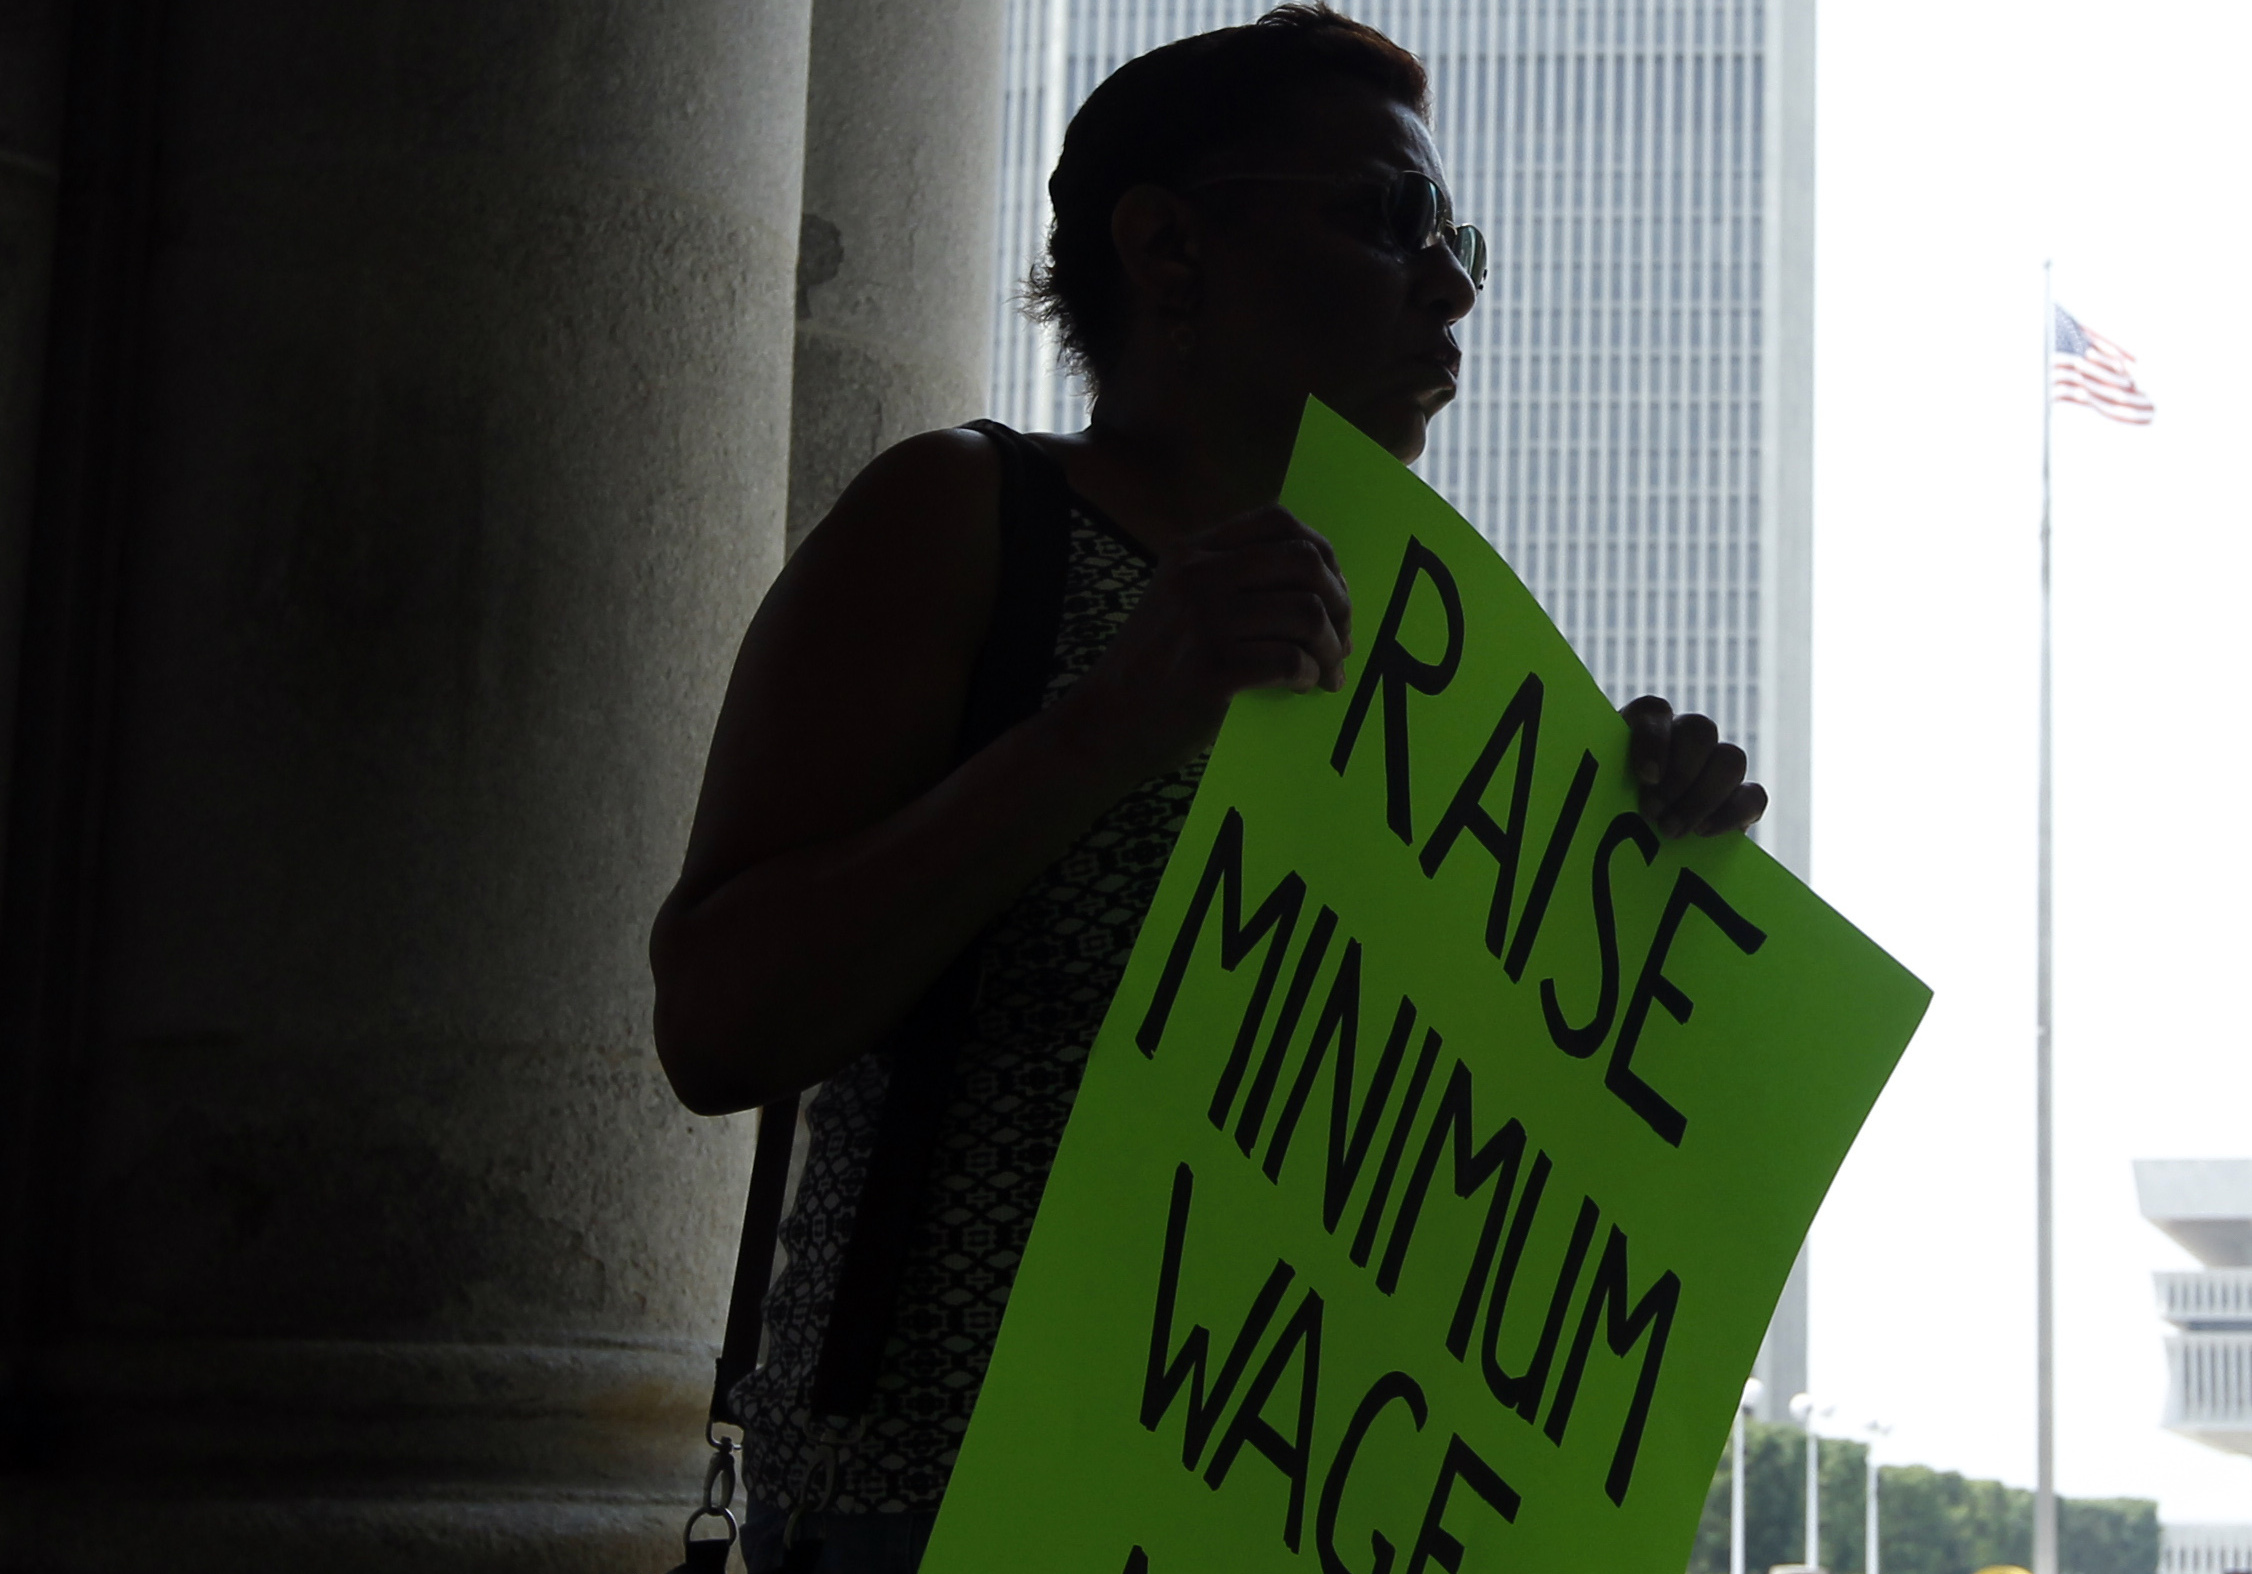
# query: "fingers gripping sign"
(1280, 615)
(1689, 779)
(1256, 602)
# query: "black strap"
(754, 1258)
(921, 1085)
(1006, 686)
(1020, 643)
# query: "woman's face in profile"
(1306, 287)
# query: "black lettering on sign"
(1286, 1023)
(1519, 724)
(1391, 1388)
(1496, 1161)
(1689, 890)
(1372, 1213)
(1622, 1330)
(1433, 1544)
(1390, 666)
(1349, 1137)
(1583, 1041)
(1293, 1455)
(1167, 1372)
(1522, 1391)
(1275, 918)
(1551, 865)
(1505, 1273)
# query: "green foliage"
(1934, 1522)
(2099, 1535)
(1946, 1521)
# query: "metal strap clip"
(710, 1553)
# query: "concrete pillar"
(32, 40)
(462, 466)
(895, 266)
(34, 70)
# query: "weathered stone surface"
(895, 270)
(32, 34)
(89, 1533)
(467, 414)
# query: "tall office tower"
(1634, 430)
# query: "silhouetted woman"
(891, 870)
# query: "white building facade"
(2206, 1206)
(2205, 1549)
(1634, 430)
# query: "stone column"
(32, 37)
(895, 267)
(33, 47)
(461, 467)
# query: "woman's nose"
(1450, 288)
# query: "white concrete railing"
(2204, 1549)
(2206, 1296)
(2210, 1380)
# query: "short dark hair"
(1160, 115)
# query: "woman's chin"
(1396, 421)
(1400, 430)
(1410, 447)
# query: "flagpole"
(2044, 1208)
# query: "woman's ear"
(1160, 243)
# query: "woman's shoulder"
(876, 617)
(944, 480)
(961, 453)
(920, 518)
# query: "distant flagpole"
(2078, 366)
(2044, 1206)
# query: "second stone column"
(895, 262)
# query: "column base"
(119, 1529)
(348, 1456)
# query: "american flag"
(2086, 368)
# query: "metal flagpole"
(1872, 1525)
(1753, 1389)
(1736, 1495)
(1871, 1540)
(1813, 1496)
(2044, 1208)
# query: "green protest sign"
(1449, 1139)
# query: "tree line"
(1933, 1521)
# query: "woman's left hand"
(1690, 780)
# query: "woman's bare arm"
(837, 865)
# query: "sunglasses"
(1416, 213)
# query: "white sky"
(1960, 144)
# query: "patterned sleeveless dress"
(1050, 967)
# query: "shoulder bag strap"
(1006, 687)
(754, 1259)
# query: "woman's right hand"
(1255, 603)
